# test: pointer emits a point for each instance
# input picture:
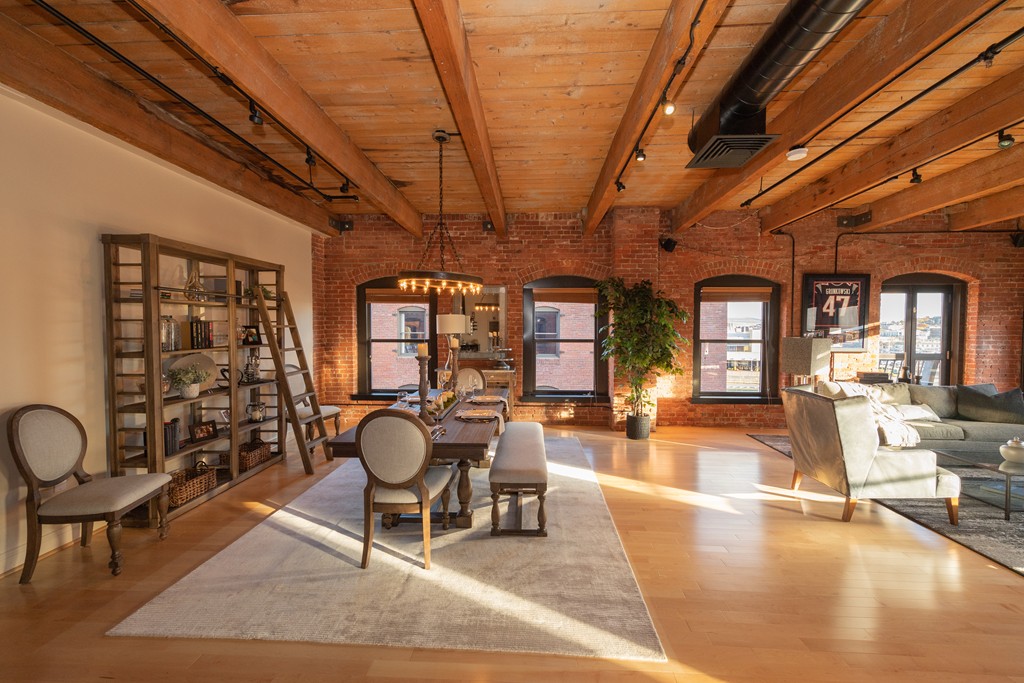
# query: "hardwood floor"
(745, 580)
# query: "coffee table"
(1007, 469)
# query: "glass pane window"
(570, 369)
(395, 323)
(412, 324)
(545, 327)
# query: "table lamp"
(452, 325)
(805, 357)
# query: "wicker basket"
(249, 455)
(191, 482)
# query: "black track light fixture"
(254, 114)
(668, 107)
(1005, 140)
(310, 159)
(915, 177)
(345, 187)
(619, 185)
(639, 155)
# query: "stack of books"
(199, 333)
(873, 377)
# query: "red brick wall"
(626, 244)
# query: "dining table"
(455, 440)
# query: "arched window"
(920, 328)
(736, 333)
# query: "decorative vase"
(189, 391)
(194, 290)
(638, 426)
(1013, 451)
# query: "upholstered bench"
(520, 466)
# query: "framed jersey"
(836, 307)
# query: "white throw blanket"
(892, 430)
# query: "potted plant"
(251, 292)
(187, 380)
(643, 341)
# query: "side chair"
(49, 445)
(395, 448)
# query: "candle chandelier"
(441, 280)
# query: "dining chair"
(394, 448)
(49, 445)
(470, 378)
(297, 385)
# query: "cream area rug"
(296, 577)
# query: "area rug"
(982, 526)
(296, 577)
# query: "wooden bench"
(520, 466)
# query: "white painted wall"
(62, 185)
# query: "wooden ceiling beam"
(998, 171)
(446, 34)
(997, 207)
(32, 66)
(214, 32)
(658, 72)
(983, 112)
(914, 27)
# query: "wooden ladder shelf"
(285, 327)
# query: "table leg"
(465, 517)
(1006, 504)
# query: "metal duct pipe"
(803, 29)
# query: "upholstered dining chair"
(297, 386)
(470, 378)
(49, 445)
(394, 448)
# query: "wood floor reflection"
(745, 580)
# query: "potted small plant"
(251, 292)
(643, 341)
(187, 380)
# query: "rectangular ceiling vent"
(729, 151)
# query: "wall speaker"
(668, 244)
(1017, 238)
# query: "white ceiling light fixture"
(796, 153)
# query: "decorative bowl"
(1013, 452)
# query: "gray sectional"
(973, 418)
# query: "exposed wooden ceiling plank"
(31, 65)
(991, 209)
(669, 46)
(915, 27)
(994, 173)
(213, 31)
(446, 35)
(981, 113)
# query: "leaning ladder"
(276, 332)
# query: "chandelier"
(440, 280)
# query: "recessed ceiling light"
(796, 153)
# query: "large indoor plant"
(643, 341)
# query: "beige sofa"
(834, 440)
(973, 418)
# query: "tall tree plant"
(641, 337)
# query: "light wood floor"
(745, 581)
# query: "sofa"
(966, 418)
(834, 440)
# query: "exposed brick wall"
(626, 244)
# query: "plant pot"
(189, 391)
(638, 426)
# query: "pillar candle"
(421, 350)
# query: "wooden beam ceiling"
(896, 43)
(214, 32)
(982, 113)
(998, 171)
(446, 34)
(996, 207)
(671, 43)
(31, 65)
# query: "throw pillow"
(941, 399)
(921, 413)
(976, 404)
(898, 393)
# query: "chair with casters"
(395, 448)
(49, 445)
(297, 385)
(835, 440)
(470, 378)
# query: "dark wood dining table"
(461, 441)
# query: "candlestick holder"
(424, 390)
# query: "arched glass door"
(917, 327)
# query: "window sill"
(572, 399)
(383, 397)
(737, 400)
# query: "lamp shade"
(805, 355)
(451, 323)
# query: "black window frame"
(772, 312)
(363, 340)
(529, 380)
(954, 310)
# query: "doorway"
(920, 325)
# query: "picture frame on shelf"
(225, 416)
(203, 431)
(835, 306)
(251, 335)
